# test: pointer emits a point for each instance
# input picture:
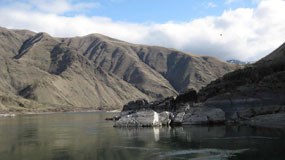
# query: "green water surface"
(87, 136)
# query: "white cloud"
(234, 1)
(50, 6)
(244, 33)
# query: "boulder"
(204, 115)
(267, 109)
(178, 118)
(165, 118)
(195, 119)
(147, 118)
(245, 113)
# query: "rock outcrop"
(251, 95)
(203, 115)
(268, 121)
(140, 113)
(147, 118)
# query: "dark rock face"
(166, 104)
(188, 96)
(259, 80)
(135, 105)
(204, 115)
(268, 120)
(244, 108)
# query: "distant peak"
(236, 61)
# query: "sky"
(227, 29)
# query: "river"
(87, 136)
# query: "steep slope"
(277, 57)
(117, 58)
(94, 71)
(263, 81)
(181, 70)
(174, 70)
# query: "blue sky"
(159, 11)
(250, 29)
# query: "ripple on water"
(137, 148)
(202, 154)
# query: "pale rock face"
(156, 121)
(148, 118)
(165, 118)
(179, 118)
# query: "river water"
(87, 136)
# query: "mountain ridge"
(266, 76)
(96, 71)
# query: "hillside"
(93, 71)
(259, 84)
(253, 95)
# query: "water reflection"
(61, 154)
(87, 136)
(156, 133)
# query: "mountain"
(262, 82)
(38, 71)
(238, 62)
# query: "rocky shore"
(185, 110)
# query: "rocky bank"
(167, 112)
(254, 95)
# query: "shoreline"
(37, 112)
(247, 123)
